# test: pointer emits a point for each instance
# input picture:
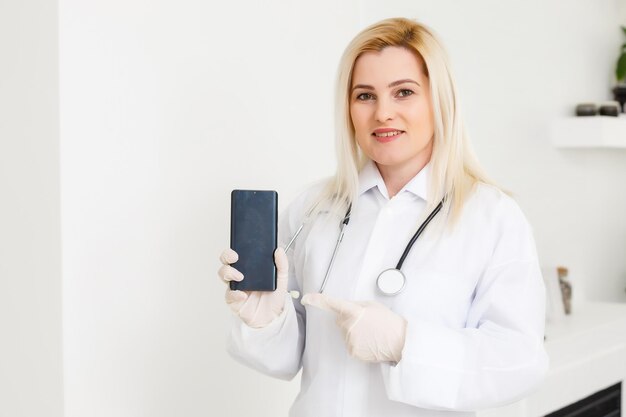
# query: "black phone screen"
(253, 235)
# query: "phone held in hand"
(254, 235)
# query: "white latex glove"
(373, 332)
(256, 308)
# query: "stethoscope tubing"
(294, 237)
(398, 267)
(418, 233)
(344, 223)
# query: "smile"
(387, 134)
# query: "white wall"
(30, 231)
(166, 107)
(520, 65)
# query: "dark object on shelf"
(605, 403)
(586, 109)
(610, 109)
(619, 94)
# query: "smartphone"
(254, 235)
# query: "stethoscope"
(390, 281)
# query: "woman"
(464, 331)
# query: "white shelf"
(589, 132)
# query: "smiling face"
(391, 110)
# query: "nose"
(384, 110)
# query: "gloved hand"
(373, 333)
(256, 308)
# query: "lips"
(384, 135)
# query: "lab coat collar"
(370, 177)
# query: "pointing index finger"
(334, 305)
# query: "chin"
(388, 160)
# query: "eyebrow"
(393, 84)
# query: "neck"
(396, 177)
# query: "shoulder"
(498, 218)
(493, 204)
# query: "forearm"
(464, 369)
(497, 358)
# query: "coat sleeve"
(276, 349)
(498, 357)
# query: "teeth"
(387, 134)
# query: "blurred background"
(125, 124)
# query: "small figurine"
(566, 288)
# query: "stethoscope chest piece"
(391, 281)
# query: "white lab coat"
(474, 303)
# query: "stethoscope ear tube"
(294, 237)
(344, 223)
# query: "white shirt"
(474, 304)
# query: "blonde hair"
(454, 167)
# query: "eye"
(365, 96)
(405, 92)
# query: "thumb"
(282, 269)
(335, 305)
